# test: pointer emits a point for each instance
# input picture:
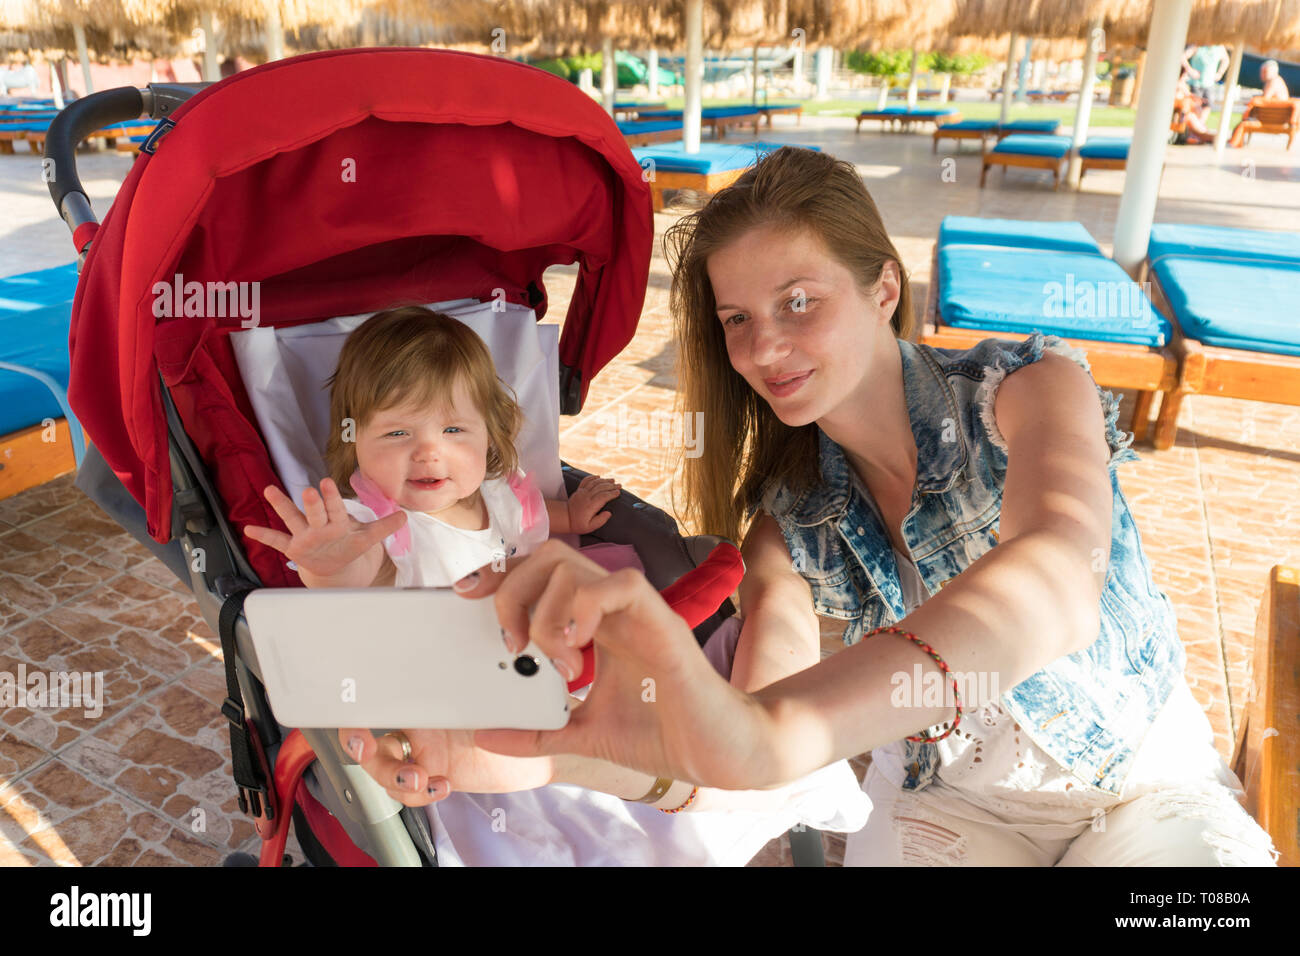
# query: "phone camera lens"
(527, 666)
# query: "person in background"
(1274, 90)
(1204, 67)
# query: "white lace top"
(441, 554)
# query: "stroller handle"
(84, 116)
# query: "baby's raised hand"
(586, 502)
(323, 539)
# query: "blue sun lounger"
(964, 129)
(717, 165)
(1032, 150)
(1231, 293)
(645, 133)
(1103, 152)
(35, 312)
(902, 118)
(718, 118)
(1004, 278)
(1029, 127)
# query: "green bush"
(960, 64)
(559, 67)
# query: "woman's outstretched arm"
(1032, 599)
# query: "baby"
(424, 434)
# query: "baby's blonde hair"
(412, 354)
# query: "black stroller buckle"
(255, 796)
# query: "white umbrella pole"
(911, 82)
(56, 88)
(274, 32)
(1083, 113)
(652, 74)
(1146, 157)
(608, 74)
(1006, 79)
(211, 68)
(1229, 98)
(694, 75)
(79, 34)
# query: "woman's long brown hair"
(743, 445)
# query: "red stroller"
(341, 182)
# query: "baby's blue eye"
(398, 433)
(452, 429)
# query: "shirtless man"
(1274, 90)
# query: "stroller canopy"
(341, 183)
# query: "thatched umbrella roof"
(1262, 24)
(1266, 24)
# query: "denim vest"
(1088, 710)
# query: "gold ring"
(404, 741)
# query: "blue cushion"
(706, 113)
(1073, 295)
(34, 290)
(890, 110)
(627, 128)
(1169, 239)
(1032, 126)
(39, 126)
(1025, 144)
(929, 111)
(778, 106)
(972, 124)
(1236, 305)
(712, 157)
(1022, 233)
(1106, 147)
(36, 338)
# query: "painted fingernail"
(563, 668)
(432, 789)
(354, 747)
(467, 583)
(406, 779)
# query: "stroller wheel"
(240, 859)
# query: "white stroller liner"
(284, 371)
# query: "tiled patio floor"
(148, 781)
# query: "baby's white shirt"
(441, 553)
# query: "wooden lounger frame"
(27, 459)
(647, 138)
(1268, 764)
(905, 122)
(945, 131)
(1216, 370)
(36, 140)
(1100, 162)
(796, 108)
(701, 182)
(1004, 133)
(1053, 164)
(1144, 368)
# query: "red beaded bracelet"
(943, 666)
(695, 792)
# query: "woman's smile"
(783, 385)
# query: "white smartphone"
(397, 658)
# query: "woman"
(967, 498)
